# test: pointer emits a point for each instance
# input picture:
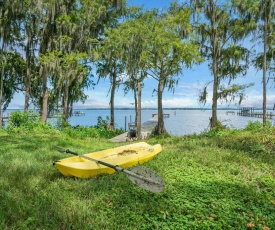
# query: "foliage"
(18, 118)
(100, 130)
(253, 139)
(13, 67)
(90, 132)
(257, 125)
(42, 28)
(69, 78)
(219, 33)
(230, 93)
(212, 182)
(101, 123)
(27, 122)
(218, 130)
(261, 14)
(109, 65)
(166, 54)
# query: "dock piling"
(250, 112)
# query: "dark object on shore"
(132, 133)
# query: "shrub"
(26, 122)
(101, 123)
(257, 125)
(91, 132)
(22, 119)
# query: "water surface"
(180, 122)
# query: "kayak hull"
(123, 156)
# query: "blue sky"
(185, 93)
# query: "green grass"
(222, 180)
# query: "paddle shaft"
(115, 167)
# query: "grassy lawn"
(220, 181)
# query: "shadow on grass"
(25, 142)
(185, 205)
(34, 195)
(242, 147)
(48, 200)
(259, 147)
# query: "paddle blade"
(60, 149)
(146, 179)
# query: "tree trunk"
(112, 101)
(66, 103)
(160, 126)
(139, 112)
(45, 97)
(214, 41)
(1, 93)
(28, 89)
(264, 69)
(136, 103)
(28, 74)
(214, 119)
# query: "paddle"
(139, 175)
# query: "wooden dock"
(230, 112)
(147, 128)
(165, 115)
(250, 112)
(78, 113)
(257, 114)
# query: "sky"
(185, 94)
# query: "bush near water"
(221, 179)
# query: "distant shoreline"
(180, 108)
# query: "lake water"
(180, 122)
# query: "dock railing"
(165, 115)
(250, 112)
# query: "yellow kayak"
(123, 156)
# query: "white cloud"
(184, 94)
(193, 86)
(180, 102)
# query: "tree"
(68, 76)
(150, 45)
(13, 75)
(261, 14)
(110, 66)
(105, 15)
(31, 22)
(72, 27)
(219, 31)
(107, 61)
(10, 13)
(133, 46)
(169, 54)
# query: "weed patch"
(212, 182)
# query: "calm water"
(180, 122)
